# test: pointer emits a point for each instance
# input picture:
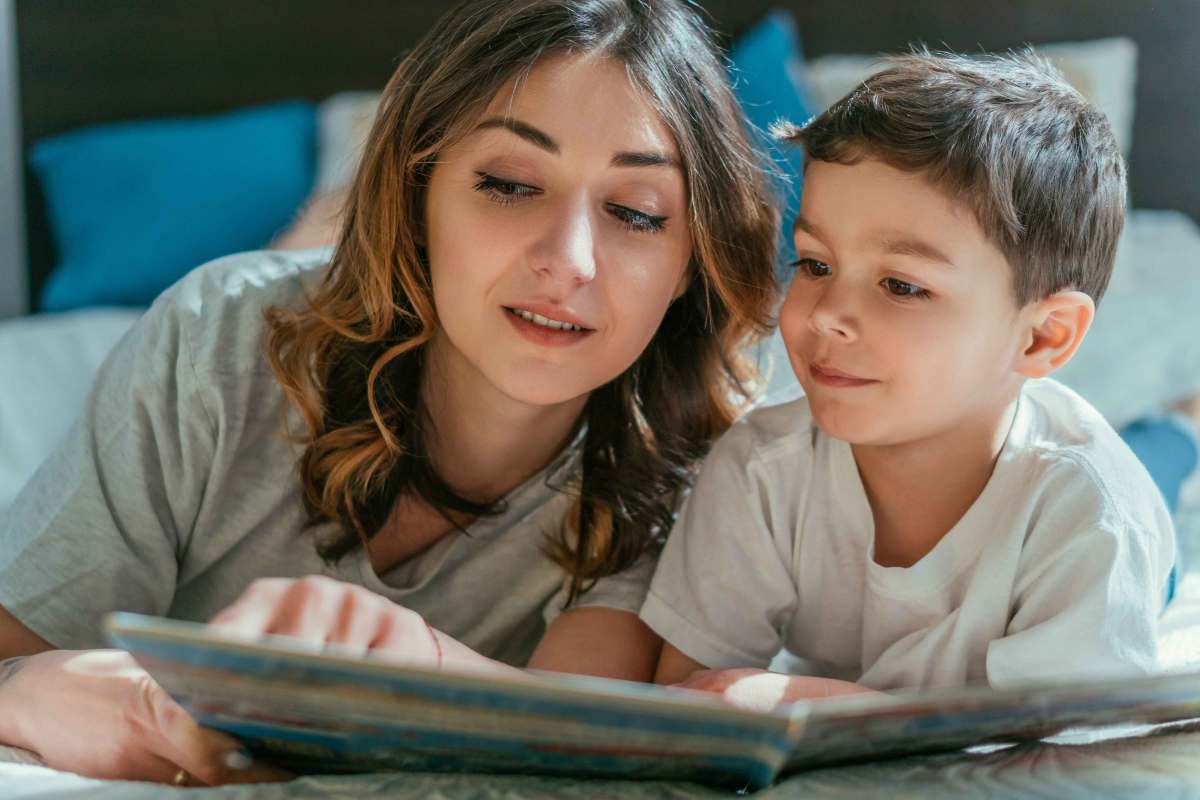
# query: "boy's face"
(900, 322)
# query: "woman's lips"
(828, 376)
(536, 330)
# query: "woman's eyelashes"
(506, 192)
(900, 289)
(637, 220)
(503, 191)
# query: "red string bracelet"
(436, 644)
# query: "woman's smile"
(549, 328)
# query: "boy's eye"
(503, 191)
(903, 289)
(812, 267)
(637, 220)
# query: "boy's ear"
(1056, 327)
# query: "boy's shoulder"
(770, 432)
(1068, 455)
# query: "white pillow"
(343, 122)
(48, 362)
(1103, 70)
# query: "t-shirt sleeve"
(723, 592)
(105, 521)
(1088, 596)
(623, 591)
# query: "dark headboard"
(85, 61)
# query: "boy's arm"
(750, 688)
(674, 666)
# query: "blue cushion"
(133, 206)
(767, 73)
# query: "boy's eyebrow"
(542, 140)
(907, 246)
(808, 227)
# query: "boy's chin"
(860, 429)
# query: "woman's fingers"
(320, 609)
(308, 608)
(99, 714)
(407, 638)
(253, 613)
(208, 757)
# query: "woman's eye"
(637, 220)
(812, 267)
(503, 191)
(901, 288)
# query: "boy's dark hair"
(1006, 136)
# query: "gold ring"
(181, 778)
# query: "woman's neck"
(482, 442)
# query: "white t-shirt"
(1056, 571)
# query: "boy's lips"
(831, 376)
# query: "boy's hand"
(323, 610)
(97, 713)
(761, 690)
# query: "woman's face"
(557, 233)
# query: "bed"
(83, 62)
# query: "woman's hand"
(760, 690)
(322, 610)
(97, 713)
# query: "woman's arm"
(605, 642)
(18, 640)
(97, 713)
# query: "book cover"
(327, 709)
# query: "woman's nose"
(566, 252)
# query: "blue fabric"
(767, 73)
(1169, 447)
(133, 206)
(1167, 444)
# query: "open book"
(311, 709)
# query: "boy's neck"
(919, 490)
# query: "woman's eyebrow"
(524, 130)
(543, 140)
(644, 160)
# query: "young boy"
(927, 515)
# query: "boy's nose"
(566, 252)
(832, 316)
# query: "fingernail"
(239, 759)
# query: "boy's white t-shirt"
(1057, 571)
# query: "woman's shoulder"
(219, 308)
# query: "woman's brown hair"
(351, 362)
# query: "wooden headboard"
(87, 61)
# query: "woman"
(496, 389)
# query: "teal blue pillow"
(133, 206)
(767, 74)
